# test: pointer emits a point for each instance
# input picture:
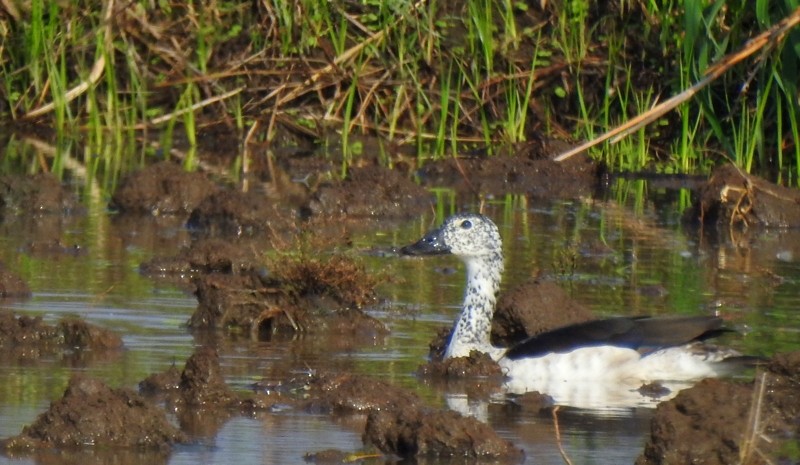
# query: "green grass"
(442, 77)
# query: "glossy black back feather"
(639, 333)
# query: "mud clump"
(91, 414)
(348, 393)
(39, 193)
(476, 365)
(199, 386)
(80, 334)
(31, 337)
(371, 191)
(204, 256)
(234, 213)
(162, 189)
(538, 178)
(734, 198)
(201, 382)
(307, 295)
(199, 396)
(412, 433)
(399, 423)
(534, 307)
(12, 285)
(715, 421)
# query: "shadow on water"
(626, 256)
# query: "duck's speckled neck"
(473, 327)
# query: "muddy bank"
(535, 176)
(723, 422)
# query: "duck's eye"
(466, 224)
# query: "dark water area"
(628, 255)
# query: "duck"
(595, 364)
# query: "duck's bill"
(431, 244)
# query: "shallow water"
(615, 258)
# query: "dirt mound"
(399, 423)
(162, 189)
(309, 295)
(348, 393)
(12, 285)
(38, 193)
(31, 337)
(204, 256)
(534, 307)
(476, 365)
(372, 191)
(538, 178)
(734, 198)
(90, 414)
(235, 213)
(412, 433)
(722, 422)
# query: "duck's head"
(466, 235)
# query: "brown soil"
(372, 192)
(92, 414)
(12, 285)
(537, 178)
(441, 433)
(348, 393)
(164, 188)
(714, 422)
(40, 193)
(732, 198)
(477, 365)
(202, 257)
(399, 423)
(309, 295)
(28, 338)
(533, 307)
(235, 213)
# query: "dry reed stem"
(196, 106)
(754, 428)
(770, 37)
(558, 437)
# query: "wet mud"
(28, 338)
(734, 199)
(301, 296)
(163, 188)
(398, 423)
(91, 414)
(722, 422)
(535, 177)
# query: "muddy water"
(614, 258)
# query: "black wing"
(638, 332)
